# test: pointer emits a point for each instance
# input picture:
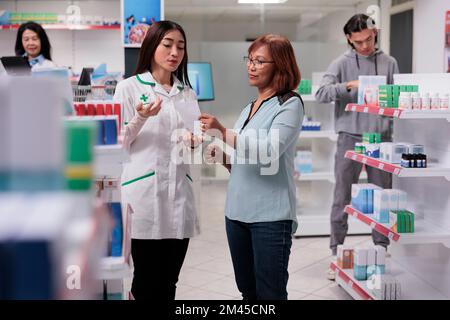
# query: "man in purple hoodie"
(340, 84)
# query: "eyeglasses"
(256, 62)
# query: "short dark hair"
(36, 27)
(152, 39)
(358, 23)
(287, 74)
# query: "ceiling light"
(260, 1)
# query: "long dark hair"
(358, 23)
(152, 39)
(45, 43)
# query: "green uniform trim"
(138, 178)
(144, 82)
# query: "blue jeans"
(260, 254)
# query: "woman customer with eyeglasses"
(261, 200)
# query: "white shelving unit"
(109, 160)
(420, 260)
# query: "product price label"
(381, 111)
(381, 166)
(355, 214)
(364, 160)
(366, 109)
(373, 225)
(396, 113)
(396, 171)
(354, 108)
(350, 283)
(390, 235)
(354, 157)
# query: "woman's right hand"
(149, 110)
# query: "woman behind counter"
(32, 43)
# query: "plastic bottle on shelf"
(426, 102)
(416, 101)
(405, 101)
(444, 102)
(435, 102)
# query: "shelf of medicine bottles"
(400, 114)
(357, 289)
(65, 27)
(326, 134)
(430, 171)
(114, 268)
(425, 232)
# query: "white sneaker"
(331, 275)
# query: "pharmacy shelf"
(114, 268)
(317, 176)
(371, 222)
(109, 160)
(72, 27)
(424, 232)
(400, 114)
(304, 134)
(430, 171)
(316, 222)
(357, 289)
(413, 287)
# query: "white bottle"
(444, 102)
(426, 102)
(416, 101)
(405, 101)
(435, 102)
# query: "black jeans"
(260, 253)
(157, 265)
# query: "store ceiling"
(230, 10)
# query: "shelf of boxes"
(430, 171)
(357, 289)
(326, 134)
(400, 114)
(419, 260)
(413, 287)
(72, 27)
(424, 232)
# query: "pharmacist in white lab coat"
(158, 189)
(33, 44)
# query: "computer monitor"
(85, 77)
(200, 77)
(16, 65)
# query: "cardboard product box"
(371, 261)
(360, 263)
(381, 206)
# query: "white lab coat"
(158, 189)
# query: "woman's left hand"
(211, 125)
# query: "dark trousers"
(347, 172)
(157, 265)
(260, 254)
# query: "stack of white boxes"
(387, 200)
